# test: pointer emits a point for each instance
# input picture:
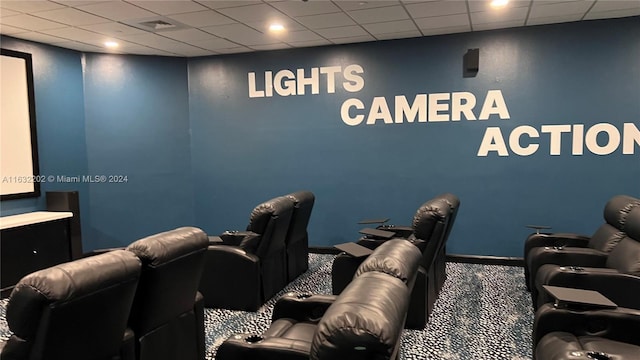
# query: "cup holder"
(303, 295)
(252, 339)
(598, 355)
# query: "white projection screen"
(19, 175)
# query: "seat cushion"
(562, 345)
(291, 329)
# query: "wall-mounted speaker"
(471, 63)
(68, 201)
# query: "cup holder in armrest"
(598, 355)
(252, 339)
(303, 295)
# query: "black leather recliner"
(429, 226)
(297, 241)
(579, 334)
(245, 269)
(364, 322)
(167, 317)
(74, 311)
(558, 248)
(616, 277)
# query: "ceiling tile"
(402, 35)
(271, 46)
(113, 29)
(288, 23)
(297, 36)
(478, 6)
(325, 20)
(7, 12)
(10, 30)
(188, 35)
(361, 5)
(170, 7)
(343, 31)
(117, 10)
(39, 37)
(539, 10)
(611, 14)
(214, 43)
(74, 45)
(71, 17)
(368, 16)
(215, 4)
(240, 34)
(234, 50)
(253, 13)
(443, 22)
(390, 27)
(29, 22)
(355, 39)
(202, 18)
(320, 42)
(76, 34)
(446, 30)
(610, 5)
(510, 14)
(300, 8)
(497, 25)
(30, 6)
(436, 8)
(553, 19)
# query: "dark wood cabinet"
(30, 242)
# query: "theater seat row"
(135, 304)
(243, 269)
(588, 327)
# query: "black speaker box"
(471, 63)
(68, 201)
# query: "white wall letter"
(253, 93)
(555, 137)
(288, 87)
(379, 111)
(494, 104)
(354, 82)
(331, 72)
(459, 107)
(612, 142)
(435, 106)
(493, 141)
(419, 107)
(577, 147)
(631, 137)
(314, 81)
(514, 140)
(344, 112)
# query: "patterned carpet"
(483, 312)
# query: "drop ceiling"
(201, 28)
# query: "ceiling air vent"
(156, 24)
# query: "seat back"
(429, 226)
(73, 311)
(163, 311)
(609, 234)
(454, 204)
(398, 258)
(271, 219)
(365, 322)
(625, 257)
(297, 240)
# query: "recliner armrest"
(619, 324)
(571, 256)
(555, 239)
(302, 306)
(244, 347)
(609, 282)
(235, 238)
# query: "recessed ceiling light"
(111, 44)
(498, 3)
(276, 27)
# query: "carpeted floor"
(483, 312)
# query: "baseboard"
(486, 260)
(324, 250)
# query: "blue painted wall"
(197, 150)
(245, 150)
(137, 126)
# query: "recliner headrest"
(632, 225)
(262, 213)
(398, 258)
(157, 249)
(617, 209)
(299, 197)
(65, 282)
(365, 321)
(428, 215)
